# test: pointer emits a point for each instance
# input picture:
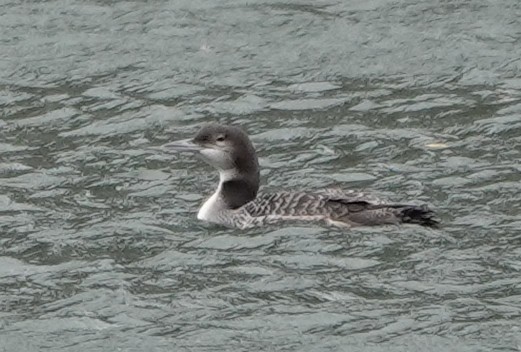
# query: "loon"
(237, 203)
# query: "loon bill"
(236, 202)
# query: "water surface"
(100, 248)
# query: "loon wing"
(361, 210)
(348, 207)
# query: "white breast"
(209, 208)
(214, 205)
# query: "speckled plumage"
(339, 211)
(236, 203)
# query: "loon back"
(346, 211)
(235, 203)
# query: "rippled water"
(100, 247)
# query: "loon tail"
(421, 215)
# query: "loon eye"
(220, 138)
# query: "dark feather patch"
(238, 192)
(353, 206)
(420, 215)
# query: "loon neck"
(236, 188)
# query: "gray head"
(230, 151)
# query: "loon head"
(229, 150)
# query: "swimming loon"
(236, 202)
